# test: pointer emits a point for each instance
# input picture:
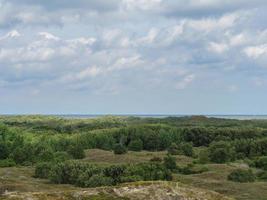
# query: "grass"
(216, 179)
(108, 157)
(21, 178)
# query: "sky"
(133, 57)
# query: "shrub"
(261, 163)
(241, 175)
(76, 151)
(22, 154)
(263, 175)
(119, 149)
(173, 149)
(220, 152)
(186, 149)
(46, 155)
(114, 171)
(7, 163)
(170, 162)
(42, 170)
(133, 178)
(3, 151)
(136, 145)
(98, 180)
(61, 156)
(203, 157)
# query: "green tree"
(170, 162)
(186, 149)
(119, 149)
(136, 145)
(4, 152)
(76, 151)
(221, 152)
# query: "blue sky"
(133, 57)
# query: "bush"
(261, 163)
(262, 175)
(173, 149)
(61, 156)
(42, 170)
(114, 171)
(133, 178)
(119, 149)
(241, 175)
(136, 145)
(186, 149)
(203, 157)
(3, 151)
(98, 180)
(220, 152)
(170, 162)
(46, 156)
(7, 163)
(76, 151)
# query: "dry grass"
(108, 157)
(216, 179)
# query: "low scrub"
(242, 176)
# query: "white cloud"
(48, 36)
(89, 72)
(218, 47)
(256, 51)
(237, 40)
(188, 79)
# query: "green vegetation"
(242, 175)
(109, 151)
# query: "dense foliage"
(242, 175)
(88, 175)
(51, 143)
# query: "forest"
(110, 151)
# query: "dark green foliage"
(221, 152)
(4, 151)
(262, 175)
(241, 175)
(61, 156)
(173, 149)
(136, 145)
(7, 163)
(76, 151)
(88, 175)
(114, 172)
(42, 170)
(98, 180)
(186, 149)
(170, 162)
(261, 163)
(22, 155)
(119, 149)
